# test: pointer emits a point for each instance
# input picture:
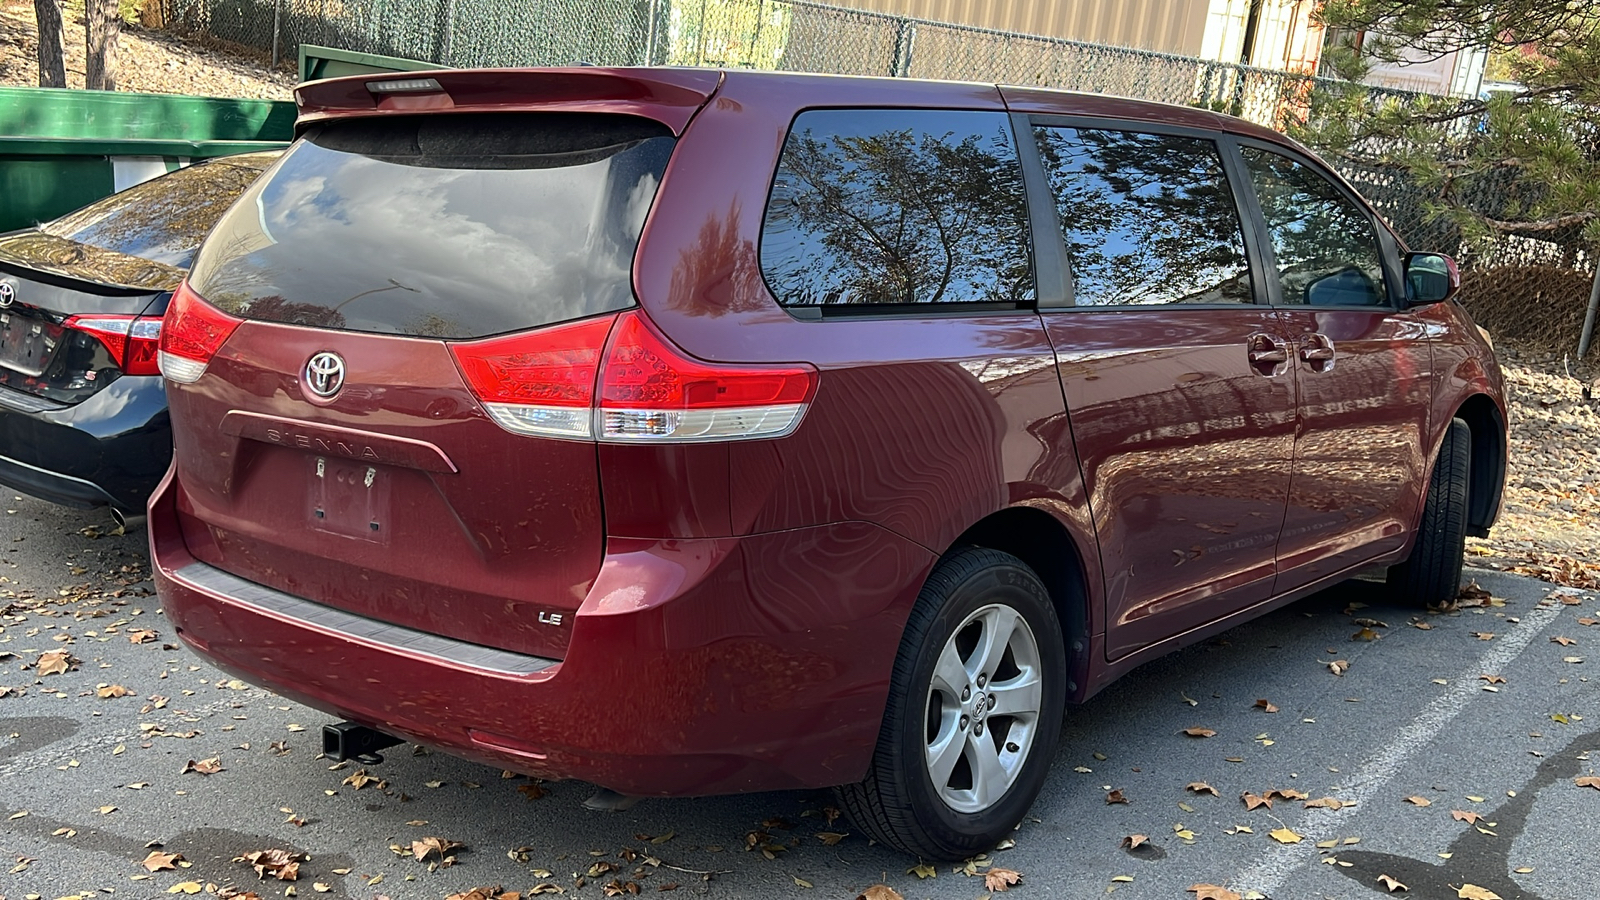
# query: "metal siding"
(1170, 26)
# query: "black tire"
(1431, 576)
(898, 803)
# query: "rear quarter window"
(447, 226)
(876, 208)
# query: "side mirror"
(1430, 278)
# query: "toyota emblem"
(8, 294)
(325, 373)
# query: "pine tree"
(1536, 152)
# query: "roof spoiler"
(670, 96)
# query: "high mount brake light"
(191, 333)
(132, 341)
(572, 382)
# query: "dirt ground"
(152, 61)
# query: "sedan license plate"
(27, 344)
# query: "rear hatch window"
(445, 226)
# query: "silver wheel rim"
(982, 709)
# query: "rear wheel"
(974, 711)
(1431, 576)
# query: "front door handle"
(1317, 350)
(1268, 355)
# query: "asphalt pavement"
(1448, 753)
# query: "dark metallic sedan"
(83, 415)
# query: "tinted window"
(166, 218)
(1148, 218)
(1326, 248)
(451, 226)
(874, 206)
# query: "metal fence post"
(1589, 317)
(905, 39)
(277, 18)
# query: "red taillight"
(652, 391)
(538, 382)
(192, 332)
(544, 383)
(131, 340)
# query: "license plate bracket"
(27, 344)
(349, 498)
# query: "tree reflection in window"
(1327, 252)
(1148, 218)
(898, 207)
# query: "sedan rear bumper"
(694, 667)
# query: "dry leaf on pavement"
(1200, 787)
(210, 766)
(1115, 797)
(880, 892)
(1471, 891)
(1212, 892)
(157, 861)
(1392, 883)
(111, 691)
(54, 662)
(1285, 836)
(1461, 815)
(1339, 666)
(283, 865)
(1266, 705)
(1419, 801)
(1134, 841)
(1592, 781)
(1199, 732)
(1251, 801)
(1000, 880)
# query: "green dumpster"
(61, 149)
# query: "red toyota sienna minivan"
(687, 432)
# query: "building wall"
(1170, 26)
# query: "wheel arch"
(1047, 546)
(1488, 469)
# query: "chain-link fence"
(1533, 288)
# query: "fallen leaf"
(1251, 801)
(1563, 640)
(801, 882)
(1473, 892)
(923, 870)
(1572, 659)
(141, 636)
(880, 892)
(1285, 836)
(1492, 679)
(1001, 880)
(1199, 732)
(532, 791)
(186, 887)
(360, 779)
(1365, 634)
(1393, 884)
(54, 662)
(1286, 793)
(1419, 801)
(1339, 666)
(157, 861)
(1592, 781)
(1461, 815)
(1134, 841)
(1212, 892)
(1327, 803)
(1115, 797)
(283, 865)
(1266, 705)
(1200, 787)
(1483, 635)
(111, 691)
(831, 837)
(209, 766)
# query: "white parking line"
(1273, 869)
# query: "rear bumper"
(694, 667)
(109, 450)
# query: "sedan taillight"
(573, 381)
(132, 341)
(192, 332)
